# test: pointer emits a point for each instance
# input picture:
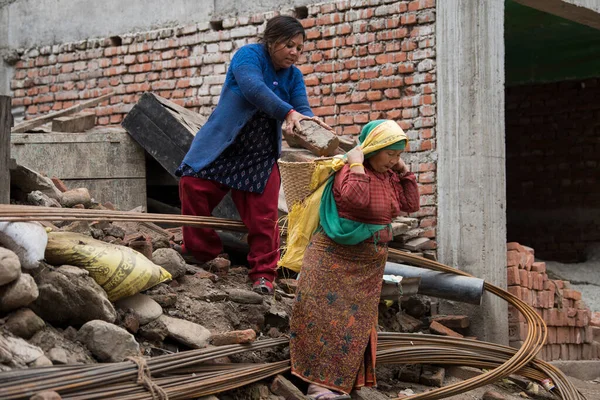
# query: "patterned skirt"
(332, 330)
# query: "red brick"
(572, 294)
(524, 278)
(440, 329)
(595, 320)
(582, 318)
(562, 335)
(513, 258)
(234, 337)
(538, 267)
(59, 184)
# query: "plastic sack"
(120, 270)
(26, 239)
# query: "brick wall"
(568, 318)
(363, 60)
(553, 185)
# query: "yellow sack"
(120, 270)
(303, 218)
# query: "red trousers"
(258, 212)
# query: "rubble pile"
(55, 313)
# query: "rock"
(219, 266)
(50, 339)
(277, 317)
(39, 199)
(432, 376)
(202, 274)
(114, 231)
(27, 181)
(490, 395)
(19, 293)
(155, 331)
(234, 337)
(288, 285)
(192, 335)
(170, 260)
(244, 296)
(130, 321)
(411, 373)
(160, 243)
(408, 323)
(415, 306)
(144, 306)
(108, 342)
(46, 395)
(165, 300)
(41, 361)
(76, 196)
(68, 296)
(24, 323)
(10, 266)
(16, 352)
(58, 355)
(82, 227)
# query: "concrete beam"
(471, 164)
(585, 12)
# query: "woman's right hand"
(355, 156)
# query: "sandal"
(262, 286)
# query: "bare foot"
(317, 392)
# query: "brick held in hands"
(319, 140)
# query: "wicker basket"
(295, 178)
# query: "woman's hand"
(401, 168)
(292, 120)
(355, 156)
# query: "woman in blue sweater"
(238, 147)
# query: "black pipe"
(440, 284)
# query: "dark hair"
(282, 28)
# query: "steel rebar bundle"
(93, 382)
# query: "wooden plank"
(79, 122)
(101, 154)
(5, 124)
(153, 139)
(191, 120)
(33, 123)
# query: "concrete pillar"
(5, 70)
(471, 164)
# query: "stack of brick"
(570, 335)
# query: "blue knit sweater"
(251, 84)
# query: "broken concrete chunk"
(432, 376)
(27, 181)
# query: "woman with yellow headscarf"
(332, 329)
